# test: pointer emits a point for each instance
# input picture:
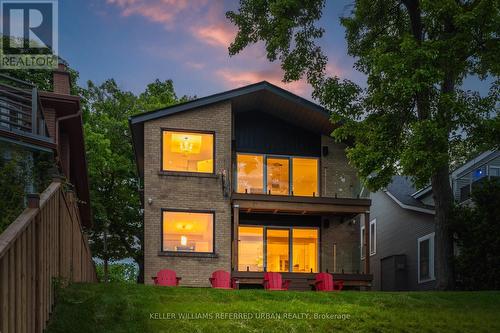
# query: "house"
(45, 129)
(401, 229)
(248, 181)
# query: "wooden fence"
(44, 243)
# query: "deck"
(304, 281)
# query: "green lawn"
(138, 308)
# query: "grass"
(138, 308)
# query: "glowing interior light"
(184, 240)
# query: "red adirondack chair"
(166, 277)
(325, 282)
(273, 281)
(222, 280)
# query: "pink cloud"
(239, 78)
(158, 11)
(215, 35)
(195, 65)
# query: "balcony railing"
(21, 110)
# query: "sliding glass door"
(277, 175)
(278, 249)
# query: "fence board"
(42, 244)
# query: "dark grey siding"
(398, 230)
(258, 132)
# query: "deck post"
(34, 111)
(367, 242)
(236, 222)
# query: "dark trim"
(44, 142)
(299, 199)
(188, 254)
(190, 173)
(264, 85)
(182, 210)
(187, 174)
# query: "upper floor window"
(250, 171)
(305, 176)
(188, 151)
(278, 175)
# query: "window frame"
(361, 240)
(190, 173)
(290, 173)
(432, 275)
(374, 223)
(188, 253)
(290, 245)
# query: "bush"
(478, 231)
(118, 272)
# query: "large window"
(305, 176)
(251, 249)
(305, 250)
(426, 258)
(278, 249)
(250, 170)
(188, 151)
(277, 175)
(188, 231)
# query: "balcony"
(21, 114)
(289, 176)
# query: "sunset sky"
(137, 41)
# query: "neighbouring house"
(43, 132)
(248, 181)
(44, 204)
(401, 228)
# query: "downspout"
(61, 119)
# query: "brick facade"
(344, 234)
(187, 192)
(337, 176)
(204, 192)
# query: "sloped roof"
(401, 189)
(262, 96)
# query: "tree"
(21, 168)
(114, 185)
(478, 230)
(412, 117)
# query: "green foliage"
(123, 307)
(41, 78)
(20, 169)
(114, 184)
(412, 118)
(126, 273)
(478, 230)
(12, 194)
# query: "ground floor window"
(185, 231)
(278, 249)
(426, 258)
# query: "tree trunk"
(106, 260)
(443, 198)
(140, 262)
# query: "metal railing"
(20, 109)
